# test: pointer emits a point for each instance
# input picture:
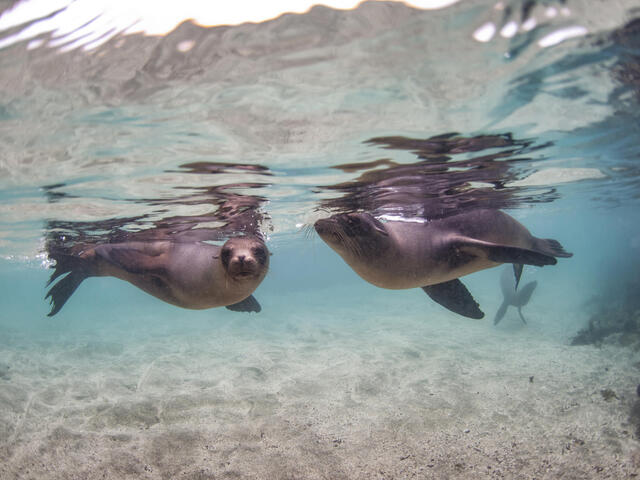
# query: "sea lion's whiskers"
(308, 231)
(351, 244)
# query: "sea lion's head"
(353, 234)
(245, 258)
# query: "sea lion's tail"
(71, 266)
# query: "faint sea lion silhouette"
(513, 296)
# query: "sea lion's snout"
(349, 225)
(330, 230)
(242, 266)
(323, 226)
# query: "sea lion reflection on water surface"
(193, 275)
(433, 254)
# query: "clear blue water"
(386, 109)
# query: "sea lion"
(512, 296)
(193, 275)
(433, 254)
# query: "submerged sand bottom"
(376, 395)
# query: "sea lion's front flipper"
(504, 253)
(454, 296)
(249, 304)
(517, 272)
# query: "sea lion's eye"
(260, 253)
(225, 256)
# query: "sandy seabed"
(381, 392)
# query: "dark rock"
(608, 394)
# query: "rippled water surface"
(113, 131)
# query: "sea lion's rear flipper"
(500, 313)
(249, 304)
(504, 253)
(517, 272)
(523, 296)
(66, 264)
(552, 247)
(61, 291)
(521, 316)
(454, 296)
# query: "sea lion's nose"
(241, 258)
